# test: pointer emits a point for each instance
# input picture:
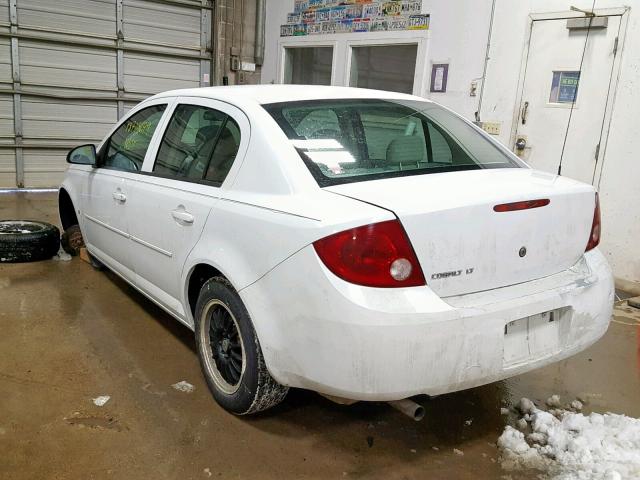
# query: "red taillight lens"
(594, 236)
(376, 255)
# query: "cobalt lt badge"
(523, 251)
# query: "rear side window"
(198, 145)
(355, 140)
(128, 145)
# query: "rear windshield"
(344, 141)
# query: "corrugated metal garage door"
(70, 68)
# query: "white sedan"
(366, 245)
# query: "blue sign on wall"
(564, 87)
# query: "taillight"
(594, 236)
(375, 255)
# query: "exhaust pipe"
(409, 408)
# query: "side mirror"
(82, 155)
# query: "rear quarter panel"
(247, 235)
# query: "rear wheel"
(230, 353)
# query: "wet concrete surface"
(70, 333)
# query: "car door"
(180, 184)
(106, 196)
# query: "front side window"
(128, 145)
(199, 144)
(355, 140)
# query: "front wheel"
(230, 353)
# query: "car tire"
(230, 353)
(72, 240)
(27, 241)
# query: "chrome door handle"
(119, 196)
(182, 216)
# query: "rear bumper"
(321, 333)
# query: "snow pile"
(567, 445)
(184, 386)
(101, 400)
(61, 256)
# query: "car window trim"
(208, 183)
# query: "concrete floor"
(71, 333)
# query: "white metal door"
(168, 215)
(106, 229)
(550, 126)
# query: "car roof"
(264, 94)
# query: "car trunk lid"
(464, 245)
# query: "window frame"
(295, 43)
(418, 73)
(228, 109)
(285, 48)
(342, 43)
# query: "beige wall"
(235, 35)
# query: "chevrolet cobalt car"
(362, 244)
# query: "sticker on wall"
(392, 8)
(294, 18)
(564, 87)
(439, 74)
(315, 17)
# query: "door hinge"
(615, 46)
(597, 152)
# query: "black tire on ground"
(230, 353)
(27, 241)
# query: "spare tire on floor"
(27, 241)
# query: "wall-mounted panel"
(148, 73)
(7, 167)
(5, 60)
(69, 66)
(6, 117)
(4, 12)
(44, 168)
(161, 23)
(54, 119)
(94, 17)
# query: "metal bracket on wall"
(205, 44)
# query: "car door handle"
(182, 216)
(119, 196)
